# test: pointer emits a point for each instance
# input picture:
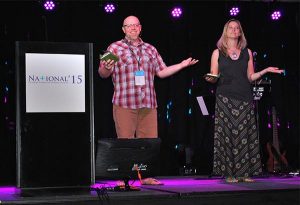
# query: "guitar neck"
(275, 131)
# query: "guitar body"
(277, 161)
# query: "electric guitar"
(277, 161)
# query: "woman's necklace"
(233, 55)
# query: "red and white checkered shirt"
(131, 59)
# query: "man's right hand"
(109, 64)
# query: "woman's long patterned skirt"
(236, 144)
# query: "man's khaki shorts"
(135, 123)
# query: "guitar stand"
(280, 174)
(286, 172)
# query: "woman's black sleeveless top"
(233, 80)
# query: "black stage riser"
(277, 197)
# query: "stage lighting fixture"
(276, 15)
(109, 8)
(234, 11)
(176, 12)
(49, 5)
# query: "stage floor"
(176, 190)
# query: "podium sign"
(54, 122)
(54, 79)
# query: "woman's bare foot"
(231, 180)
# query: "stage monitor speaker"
(116, 158)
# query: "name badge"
(139, 77)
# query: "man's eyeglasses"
(132, 25)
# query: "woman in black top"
(236, 144)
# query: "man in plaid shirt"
(134, 99)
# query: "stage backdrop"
(55, 124)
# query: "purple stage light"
(109, 8)
(176, 12)
(234, 11)
(49, 5)
(276, 15)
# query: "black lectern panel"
(55, 124)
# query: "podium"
(54, 115)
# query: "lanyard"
(137, 57)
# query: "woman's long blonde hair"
(222, 42)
